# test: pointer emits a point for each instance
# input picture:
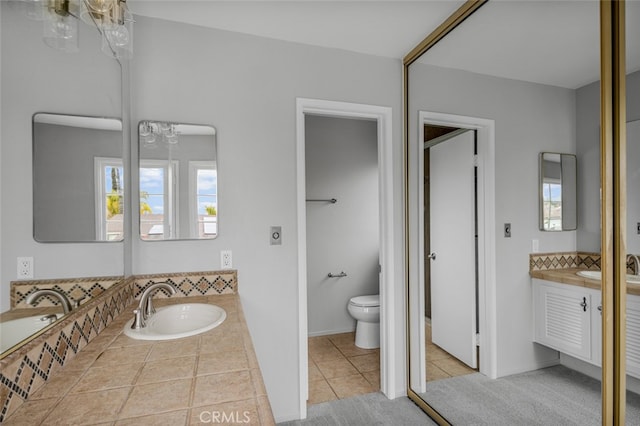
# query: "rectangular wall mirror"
(77, 178)
(558, 207)
(178, 181)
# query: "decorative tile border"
(563, 260)
(76, 289)
(191, 283)
(24, 371)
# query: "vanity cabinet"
(564, 318)
(568, 319)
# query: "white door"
(452, 238)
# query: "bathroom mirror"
(178, 181)
(77, 178)
(557, 188)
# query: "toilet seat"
(366, 301)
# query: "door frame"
(487, 315)
(389, 339)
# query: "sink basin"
(176, 321)
(597, 275)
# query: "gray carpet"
(551, 396)
(364, 410)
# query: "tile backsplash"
(26, 369)
(76, 289)
(564, 260)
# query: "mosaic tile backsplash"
(76, 289)
(25, 370)
(564, 260)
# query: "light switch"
(507, 230)
(276, 235)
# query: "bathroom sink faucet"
(636, 263)
(145, 307)
(64, 300)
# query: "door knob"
(432, 256)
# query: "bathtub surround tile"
(156, 398)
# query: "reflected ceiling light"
(112, 18)
(152, 131)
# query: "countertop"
(116, 380)
(568, 276)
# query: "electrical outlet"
(226, 261)
(25, 268)
(276, 235)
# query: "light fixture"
(153, 131)
(112, 19)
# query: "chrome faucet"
(64, 300)
(145, 307)
(636, 263)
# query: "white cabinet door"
(633, 335)
(562, 318)
(596, 327)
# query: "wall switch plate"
(226, 261)
(507, 230)
(276, 235)
(25, 268)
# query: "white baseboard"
(329, 332)
(595, 372)
(535, 366)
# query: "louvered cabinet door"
(633, 336)
(562, 318)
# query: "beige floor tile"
(435, 373)
(319, 342)
(88, 408)
(118, 356)
(174, 348)
(225, 387)
(320, 391)
(173, 418)
(434, 353)
(112, 376)
(227, 413)
(336, 368)
(373, 377)
(348, 386)
(366, 363)
(167, 369)
(155, 398)
(324, 353)
(314, 373)
(222, 362)
(352, 350)
(342, 339)
(453, 367)
(31, 412)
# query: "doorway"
(390, 326)
(450, 239)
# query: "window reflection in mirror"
(178, 181)
(557, 192)
(78, 183)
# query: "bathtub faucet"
(64, 300)
(145, 307)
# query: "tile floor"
(440, 364)
(339, 369)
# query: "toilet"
(366, 311)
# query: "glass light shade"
(100, 6)
(60, 32)
(117, 38)
(35, 10)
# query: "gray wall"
(529, 118)
(342, 163)
(247, 87)
(36, 78)
(588, 151)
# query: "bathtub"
(14, 331)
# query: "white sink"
(597, 275)
(176, 321)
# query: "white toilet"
(366, 310)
